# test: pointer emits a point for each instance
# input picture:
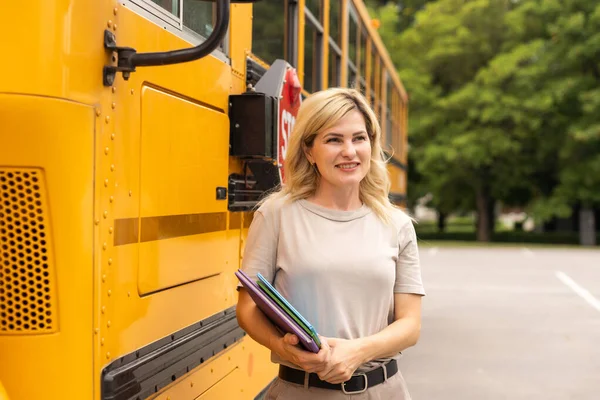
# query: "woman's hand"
(346, 357)
(287, 348)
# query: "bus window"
(372, 86)
(268, 30)
(171, 6)
(335, 21)
(334, 67)
(198, 16)
(352, 39)
(313, 45)
(352, 49)
(335, 52)
(314, 6)
(388, 112)
(362, 71)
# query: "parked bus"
(136, 137)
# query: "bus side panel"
(167, 248)
(47, 153)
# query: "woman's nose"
(348, 150)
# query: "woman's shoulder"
(400, 219)
(274, 205)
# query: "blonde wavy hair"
(319, 112)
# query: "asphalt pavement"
(507, 323)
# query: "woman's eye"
(332, 140)
(360, 138)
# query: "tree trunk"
(441, 221)
(485, 215)
(587, 226)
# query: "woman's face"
(342, 153)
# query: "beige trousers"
(392, 389)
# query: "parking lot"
(507, 323)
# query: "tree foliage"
(504, 100)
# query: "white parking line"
(587, 296)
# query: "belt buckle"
(356, 391)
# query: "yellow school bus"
(136, 136)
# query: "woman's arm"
(348, 355)
(258, 326)
(401, 334)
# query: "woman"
(344, 257)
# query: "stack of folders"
(280, 311)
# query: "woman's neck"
(345, 199)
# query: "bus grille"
(27, 287)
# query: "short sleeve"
(260, 253)
(408, 267)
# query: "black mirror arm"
(128, 58)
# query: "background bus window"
(388, 113)
(363, 58)
(335, 44)
(352, 50)
(311, 71)
(372, 75)
(313, 49)
(268, 30)
(334, 68)
(352, 40)
(198, 15)
(335, 22)
(171, 6)
(314, 6)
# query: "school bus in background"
(136, 136)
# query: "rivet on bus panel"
(103, 309)
(106, 183)
(112, 167)
(97, 221)
(108, 324)
(107, 119)
(130, 193)
(98, 112)
(113, 105)
(109, 293)
(104, 246)
(191, 384)
(104, 278)
(128, 294)
(96, 331)
(105, 214)
(110, 261)
(111, 199)
(115, 11)
(114, 89)
(106, 150)
(131, 91)
(110, 230)
(102, 342)
(108, 355)
(112, 136)
(114, 27)
(109, 23)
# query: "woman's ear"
(308, 155)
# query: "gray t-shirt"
(339, 269)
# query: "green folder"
(289, 312)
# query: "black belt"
(357, 384)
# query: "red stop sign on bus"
(289, 103)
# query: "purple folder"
(272, 310)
